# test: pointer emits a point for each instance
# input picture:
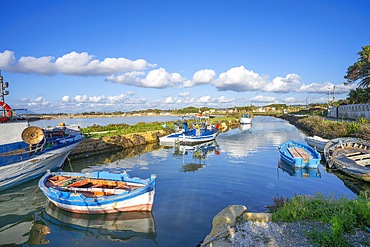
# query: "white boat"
(317, 142)
(27, 152)
(245, 119)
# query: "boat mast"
(3, 85)
(3, 92)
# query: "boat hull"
(316, 142)
(245, 120)
(140, 199)
(306, 157)
(27, 170)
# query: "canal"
(240, 167)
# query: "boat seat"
(299, 153)
(361, 159)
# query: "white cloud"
(66, 98)
(81, 98)
(7, 59)
(264, 99)
(240, 79)
(73, 63)
(284, 85)
(184, 94)
(169, 100)
(205, 99)
(158, 78)
(204, 76)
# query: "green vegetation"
(96, 131)
(343, 215)
(359, 71)
(329, 129)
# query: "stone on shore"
(222, 225)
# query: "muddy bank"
(95, 146)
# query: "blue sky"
(76, 56)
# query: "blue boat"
(299, 155)
(98, 192)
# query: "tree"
(359, 96)
(360, 70)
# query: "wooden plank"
(303, 153)
(294, 153)
(364, 162)
(299, 153)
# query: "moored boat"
(98, 192)
(245, 119)
(316, 142)
(350, 156)
(299, 155)
(202, 131)
(27, 152)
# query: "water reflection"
(245, 127)
(17, 215)
(198, 153)
(298, 172)
(355, 185)
(264, 131)
(38, 232)
(122, 227)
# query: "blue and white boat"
(299, 155)
(98, 192)
(201, 132)
(27, 152)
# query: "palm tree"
(360, 70)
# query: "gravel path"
(273, 234)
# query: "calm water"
(192, 187)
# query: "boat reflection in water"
(18, 214)
(299, 172)
(355, 185)
(199, 154)
(124, 226)
(245, 127)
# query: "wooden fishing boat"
(299, 155)
(316, 142)
(350, 156)
(98, 192)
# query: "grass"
(343, 215)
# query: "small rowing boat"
(98, 192)
(299, 155)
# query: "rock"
(260, 217)
(222, 225)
